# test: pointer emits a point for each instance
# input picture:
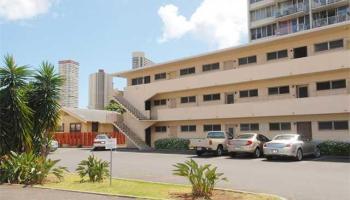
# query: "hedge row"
(172, 144)
(335, 148)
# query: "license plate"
(199, 148)
(274, 151)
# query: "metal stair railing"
(126, 105)
(132, 136)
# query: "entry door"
(230, 128)
(305, 130)
(302, 91)
(230, 98)
(148, 138)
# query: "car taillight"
(249, 142)
(210, 142)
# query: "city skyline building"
(100, 90)
(69, 94)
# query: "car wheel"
(299, 155)
(317, 153)
(233, 154)
(257, 153)
(219, 151)
(199, 153)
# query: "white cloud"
(222, 23)
(13, 10)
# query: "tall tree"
(44, 101)
(15, 115)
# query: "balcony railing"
(292, 29)
(330, 20)
(320, 3)
(291, 9)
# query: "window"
(341, 125)
(262, 13)
(146, 79)
(137, 81)
(211, 97)
(188, 128)
(249, 127)
(74, 127)
(277, 54)
(338, 84)
(187, 71)
(160, 76)
(247, 60)
(159, 102)
(254, 1)
(278, 90)
(324, 46)
(210, 67)
(333, 125)
(212, 127)
(190, 99)
(160, 129)
(321, 46)
(60, 128)
(248, 93)
(280, 126)
(264, 31)
(327, 85)
(216, 134)
(94, 126)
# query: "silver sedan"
(290, 145)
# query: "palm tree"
(44, 100)
(15, 115)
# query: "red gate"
(84, 139)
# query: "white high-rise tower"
(69, 70)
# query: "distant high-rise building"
(100, 90)
(270, 18)
(69, 70)
(139, 60)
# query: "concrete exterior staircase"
(132, 136)
(129, 107)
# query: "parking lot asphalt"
(17, 192)
(323, 178)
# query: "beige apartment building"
(297, 82)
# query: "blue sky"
(101, 34)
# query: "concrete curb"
(100, 193)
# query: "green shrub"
(203, 178)
(172, 143)
(94, 168)
(335, 148)
(28, 168)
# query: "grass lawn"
(144, 189)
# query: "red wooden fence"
(85, 139)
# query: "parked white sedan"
(290, 145)
(100, 141)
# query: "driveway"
(16, 192)
(310, 179)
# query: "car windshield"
(245, 136)
(284, 137)
(216, 134)
(101, 137)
